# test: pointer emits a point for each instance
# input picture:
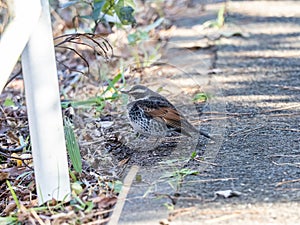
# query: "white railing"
(30, 35)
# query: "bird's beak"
(125, 92)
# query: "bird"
(152, 114)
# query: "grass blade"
(73, 147)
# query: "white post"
(44, 111)
(16, 35)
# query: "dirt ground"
(251, 68)
(247, 67)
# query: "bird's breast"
(144, 123)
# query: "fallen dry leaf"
(11, 206)
(105, 202)
(228, 193)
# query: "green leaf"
(139, 35)
(201, 97)
(186, 171)
(125, 15)
(90, 206)
(124, 10)
(138, 178)
(112, 83)
(132, 38)
(98, 5)
(100, 107)
(218, 22)
(8, 102)
(153, 25)
(77, 188)
(129, 3)
(193, 155)
(169, 206)
(13, 193)
(73, 147)
(116, 186)
(109, 7)
(221, 18)
(68, 4)
(8, 220)
(116, 78)
(72, 175)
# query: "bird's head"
(139, 92)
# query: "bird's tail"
(206, 135)
(187, 128)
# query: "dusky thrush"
(152, 114)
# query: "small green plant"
(73, 176)
(169, 206)
(219, 21)
(104, 11)
(81, 205)
(8, 220)
(176, 177)
(100, 101)
(12, 219)
(9, 102)
(72, 146)
(142, 34)
(77, 188)
(137, 40)
(185, 172)
(201, 97)
(116, 186)
(13, 194)
(193, 155)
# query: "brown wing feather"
(168, 115)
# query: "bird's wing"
(162, 111)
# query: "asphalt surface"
(251, 65)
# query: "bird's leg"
(156, 142)
(143, 142)
(148, 143)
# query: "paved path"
(255, 61)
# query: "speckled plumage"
(152, 114)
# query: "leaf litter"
(89, 78)
(94, 191)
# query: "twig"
(70, 68)
(280, 109)
(35, 215)
(287, 182)
(103, 221)
(288, 189)
(205, 162)
(285, 114)
(286, 129)
(17, 158)
(245, 131)
(286, 164)
(287, 156)
(180, 212)
(77, 53)
(18, 149)
(13, 77)
(284, 87)
(71, 37)
(212, 180)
